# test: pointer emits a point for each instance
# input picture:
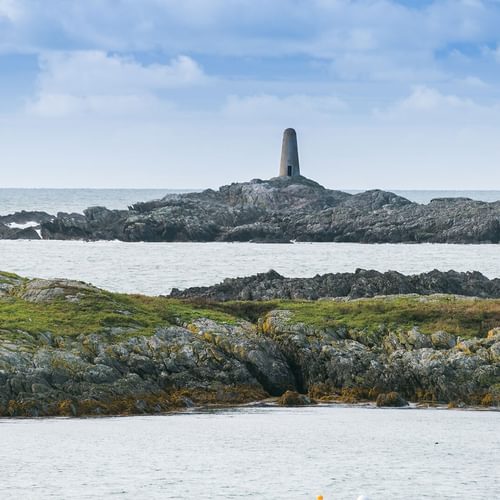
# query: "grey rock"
(207, 361)
(39, 290)
(282, 209)
(362, 283)
(443, 340)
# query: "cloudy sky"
(196, 93)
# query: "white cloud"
(58, 105)
(428, 107)
(425, 99)
(93, 81)
(10, 10)
(474, 81)
(259, 27)
(298, 108)
(390, 65)
(88, 72)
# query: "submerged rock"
(391, 399)
(293, 398)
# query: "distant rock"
(25, 217)
(272, 285)
(281, 210)
(23, 225)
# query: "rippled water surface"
(77, 200)
(256, 453)
(252, 453)
(154, 268)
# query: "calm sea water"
(155, 268)
(76, 200)
(273, 453)
(256, 453)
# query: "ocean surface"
(77, 200)
(258, 453)
(156, 268)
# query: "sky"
(386, 94)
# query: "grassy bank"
(79, 309)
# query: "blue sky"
(162, 93)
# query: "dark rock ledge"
(280, 210)
(362, 283)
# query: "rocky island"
(69, 348)
(281, 209)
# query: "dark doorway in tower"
(289, 170)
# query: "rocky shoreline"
(362, 283)
(275, 210)
(68, 348)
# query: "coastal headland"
(68, 348)
(281, 209)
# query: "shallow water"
(154, 268)
(255, 453)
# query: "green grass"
(9, 277)
(98, 311)
(5, 274)
(466, 317)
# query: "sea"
(76, 200)
(340, 452)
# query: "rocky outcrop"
(23, 225)
(336, 360)
(362, 283)
(283, 209)
(67, 348)
(25, 217)
(208, 362)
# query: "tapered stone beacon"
(289, 166)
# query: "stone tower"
(289, 166)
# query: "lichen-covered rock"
(494, 333)
(414, 369)
(39, 290)
(94, 352)
(413, 339)
(495, 352)
(443, 340)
